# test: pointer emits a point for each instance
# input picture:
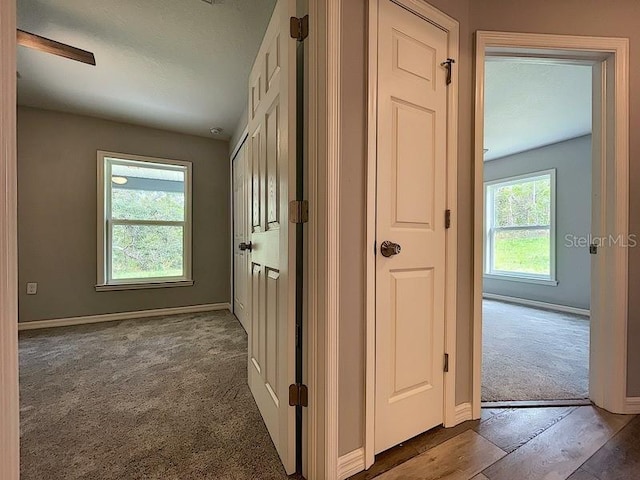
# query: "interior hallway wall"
(353, 215)
(577, 17)
(57, 214)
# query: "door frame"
(235, 149)
(9, 409)
(610, 56)
(452, 416)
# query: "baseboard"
(632, 405)
(350, 464)
(112, 317)
(463, 412)
(535, 303)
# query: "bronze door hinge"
(299, 211)
(299, 27)
(298, 395)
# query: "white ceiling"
(180, 65)
(529, 105)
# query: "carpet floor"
(163, 398)
(533, 354)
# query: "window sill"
(141, 286)
(514, 278)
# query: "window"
(144, 222)
(520, 228)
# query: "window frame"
(489, 230)
(105, 223)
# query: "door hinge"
(298, 395)
(448, 64)
(593, 249)
(446, 362)
(299, 27)
(447, 218)
(299, 211)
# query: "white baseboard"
(632, 405)
(535, 303)
(111, 317)
(464, 412)
(350, 464)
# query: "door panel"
(240, 235)
(411, 202)
(272, 165)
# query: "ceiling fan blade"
(43, 44)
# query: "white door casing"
(240, 235)
(271, 148)
(411, 203)
(610, 201)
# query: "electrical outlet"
(32, 288)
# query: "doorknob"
(245, 246)
(389, 249)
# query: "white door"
(240, 236)
(271, 145)
(411, 203)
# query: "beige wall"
(57, 214)
(352, 227)
(578, 17)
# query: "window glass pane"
(525, 203)
(146, 251)
(147, 193)
(522, 251)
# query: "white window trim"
(489, 273)
(105, 284)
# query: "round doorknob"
(245, 246)
(389, 249)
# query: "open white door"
(240, 237)
(411, 204)
(271, 146)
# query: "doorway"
(276, 68)
(609, 199)
(537, 221)
(239, 187)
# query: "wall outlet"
(32, 288)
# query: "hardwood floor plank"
(413, 447)
(439, 435)
(387, 460)
(459, 458)
(489, 413)
(561, 449)
(619, 458)
(511, 429)
(581, 475)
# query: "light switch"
(32, 288)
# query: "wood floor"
(575, 443)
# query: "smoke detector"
(216, 131)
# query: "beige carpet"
(162, 398)
(533, 354)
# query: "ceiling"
(529, 105)
(179, 65)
